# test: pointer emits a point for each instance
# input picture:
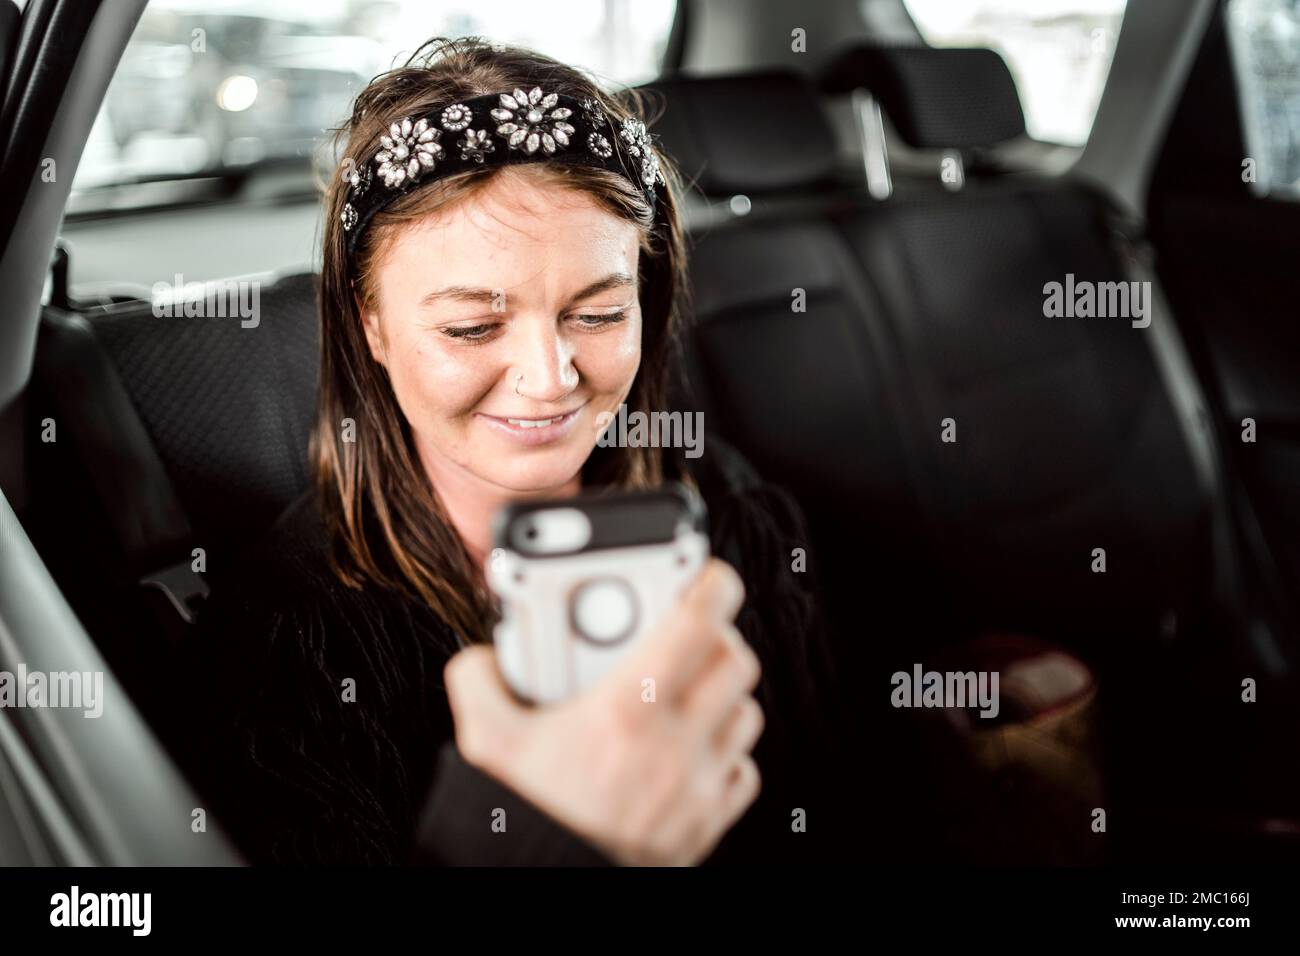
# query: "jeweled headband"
(496, 130)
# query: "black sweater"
(299, 774)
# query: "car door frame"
(76, 789)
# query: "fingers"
(732, 672)
(741, 730)
(717, 593)
(743, 784)
(736, 784)
(681, 647)
(740, 787)
(482, 708)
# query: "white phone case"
(568, 618)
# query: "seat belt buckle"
(184, 588)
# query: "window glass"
(1265, 42)
(209, 85)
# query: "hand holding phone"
(647, 780)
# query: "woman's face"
(528, 279)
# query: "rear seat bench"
(920, 310)
(961, 456)
(179, 440)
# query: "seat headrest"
(936, 99)
(746, 133)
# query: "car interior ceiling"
(922, 307)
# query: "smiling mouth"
(526, 424)
(536, 422)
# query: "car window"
(1264, 36)
(1059, 52)
(213, 85)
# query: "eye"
(599, 321)
(470, 333)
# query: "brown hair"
(387, 526)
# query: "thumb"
(483, 710)
(717, 591)
(680, 646)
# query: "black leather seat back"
(925, 309)
(780, 359)
(228, 407)
(1065, 439)
(174, 433)
(154, 436)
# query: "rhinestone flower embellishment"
(599, 145)
(592, 112)
(476, 145)
(359, 178)
(408, 150)
(637, 138)
(348, 216)
(456, 117)
(529, 120)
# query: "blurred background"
(230, 104)
(210, 85)
(215, 85)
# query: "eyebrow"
(458, 293)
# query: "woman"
(503, 269)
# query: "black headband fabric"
(497, 129)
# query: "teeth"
(532, 422)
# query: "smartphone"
(582, 580)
